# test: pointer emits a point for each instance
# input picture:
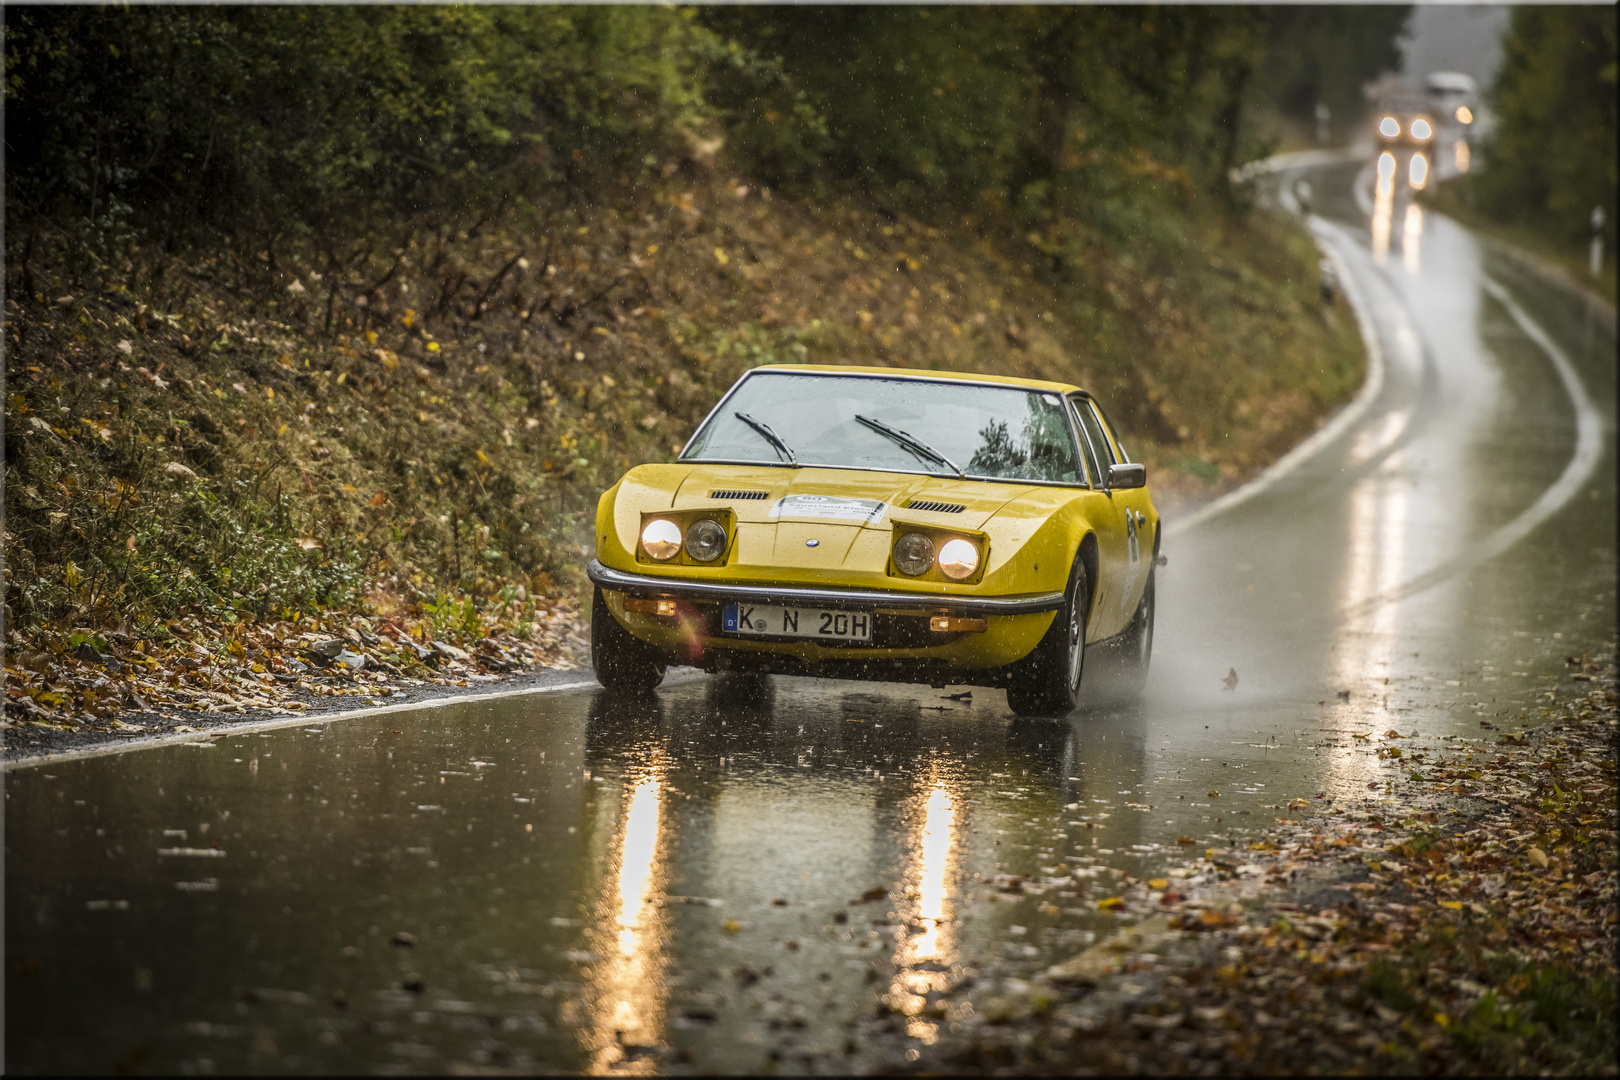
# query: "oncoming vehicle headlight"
(661, 539)
(705, 540)
(1389, 127)
(1420, 129)
(914, 554)
(958, 558)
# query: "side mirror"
(1127, 476)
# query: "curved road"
(565, 883)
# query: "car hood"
(842, 496)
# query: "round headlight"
(661, 539)
(1389, 127)
(1421, 130)
(705, 540)
(914, 554)
(958, 558)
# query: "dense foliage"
(270, 118)
(295, 118)
(1553, 156)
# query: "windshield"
(904, 425)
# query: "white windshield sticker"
(827, 506)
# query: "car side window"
(1112, 433)
(1094, 434)
(1087, 450)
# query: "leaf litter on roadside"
(1465, 921)
(91, 684)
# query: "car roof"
(913, 373)
(1450, 80)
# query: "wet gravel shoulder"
(1465, 922)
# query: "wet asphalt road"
(565, 882)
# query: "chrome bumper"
(921, 603)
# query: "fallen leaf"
(1538, 857)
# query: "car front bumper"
(904, 647)
(917, 603)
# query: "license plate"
(771, 620)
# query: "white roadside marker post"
(1595, 252)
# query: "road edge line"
(1325, 234)
(253, 726)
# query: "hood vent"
(739, 495)
(935, 507)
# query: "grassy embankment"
(438, 407)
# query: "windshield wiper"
(912, 443)
(769, 436)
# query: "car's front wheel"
(1047, 681)
(620, 660)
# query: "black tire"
(1136, 644)
(622, 662)
(1047, 681)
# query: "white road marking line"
(1588, 451)
(181, 737)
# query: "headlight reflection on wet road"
(1417, 172)
(1383, 206)
(1365, 650)
(1412, 238)
(629, 1002)
(931, 947)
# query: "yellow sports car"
(872, 523)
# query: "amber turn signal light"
(651, 607)
(952, 624)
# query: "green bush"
(1553, 155)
